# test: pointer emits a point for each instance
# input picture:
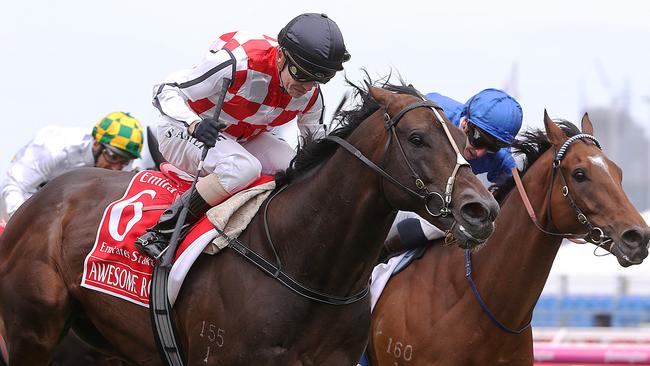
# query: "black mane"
(312, 152)
(532, 144)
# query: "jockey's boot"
(156, 239)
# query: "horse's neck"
(513, 267)
(333, 223)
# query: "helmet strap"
(280, 69)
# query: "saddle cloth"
(384, 271)
(115, 267)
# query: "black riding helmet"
(314, 43)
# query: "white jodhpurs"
(235, 165)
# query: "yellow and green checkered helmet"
(121, 131)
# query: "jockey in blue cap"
(491, 120)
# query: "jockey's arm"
(310, 121)
(502, 163)
(29, 170)
(202, 81)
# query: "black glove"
(207, 131)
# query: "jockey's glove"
(207, 131)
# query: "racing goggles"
(483, 140)
(114, 157)
(301, 74)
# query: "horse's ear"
(587, 126)
(382, 96)
(554, 133)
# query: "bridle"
(421, 191)
(594, 234)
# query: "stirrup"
(153, 244)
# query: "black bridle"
(421, 191)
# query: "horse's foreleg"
(35, 306)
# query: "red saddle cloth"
(114, 266)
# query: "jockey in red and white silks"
(272, 82)
(255, 103)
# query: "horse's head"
(587, 195)
(420, 148)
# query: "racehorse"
(429, 314)
(326, 220)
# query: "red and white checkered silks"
(255, 101)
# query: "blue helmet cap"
(495, 112)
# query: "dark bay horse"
(428, 314)
(327, 227)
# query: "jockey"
(491, 120)
(272, 82)
(114, 142)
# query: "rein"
(477, 294)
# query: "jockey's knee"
(250, 171)
(238, 172)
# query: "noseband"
(594, 234)
(422, 192)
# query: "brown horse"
(428, 313)
(326, 225)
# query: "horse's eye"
(579, 175)
(416, 140)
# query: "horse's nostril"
(632, 236)
(475, 210)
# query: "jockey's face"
(471, 152)
(294, 88)
(109, 160)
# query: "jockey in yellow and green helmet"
(113, 143)
(118, 140)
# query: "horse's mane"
(311, 152)
(532, 144)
